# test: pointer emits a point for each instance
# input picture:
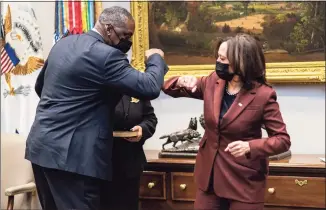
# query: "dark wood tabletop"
(297, 164)
(296, 160)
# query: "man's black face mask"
(124, 45)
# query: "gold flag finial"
(98, 10)
(7, 22)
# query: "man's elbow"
(155, 93)
(149, 94)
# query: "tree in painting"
(309, 33)
(289, 31)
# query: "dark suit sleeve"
(149, 121)
(40, 80)
(119, 74)
(278, 140)
(170, 88)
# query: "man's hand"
(188, 82)
(238, 148)
(152, 51)
(137, 138)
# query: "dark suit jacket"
(128, 157)
(82, 77)
(243, 178)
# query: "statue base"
(281, 156)
(186, 150)
(177, 155)
(190, 149)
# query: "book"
(125, 134)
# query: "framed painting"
(292, 35)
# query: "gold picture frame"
(286, 72)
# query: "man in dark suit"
(70, 142)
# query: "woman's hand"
(137, 138)
(188, 82)
(238, 148)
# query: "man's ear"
(108, 28)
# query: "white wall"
(302, 106)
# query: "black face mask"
(222, 71)
(124, 45)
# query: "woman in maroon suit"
(232, 162)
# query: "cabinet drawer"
(183, 186)
(295, 191)
(152, 185)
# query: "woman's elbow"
(286, 142)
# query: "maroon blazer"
(243, 178)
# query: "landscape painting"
(187, 31)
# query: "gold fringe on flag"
(66, 15)
(84, 15)
(98, 9)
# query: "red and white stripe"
(6, 64)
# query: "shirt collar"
(94, 29)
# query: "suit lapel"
(242, 100)
(218, 96)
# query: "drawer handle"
(271, 190)
(301, 183)
(183, 186)
(151, 185)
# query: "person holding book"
(128, 156)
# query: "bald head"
(116, 16)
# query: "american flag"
(8, 58)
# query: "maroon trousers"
(210, 201)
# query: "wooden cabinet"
(182, 186)
(152, 185)
(295, 191)
(294, 183)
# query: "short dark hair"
(246, 57)
(117, 16)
